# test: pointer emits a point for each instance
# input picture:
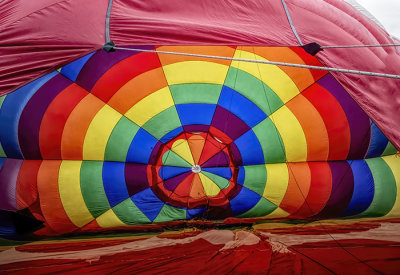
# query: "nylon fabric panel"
(71, 193)
(50, 198)
(98, 133)
(75, 128)
(55, 118)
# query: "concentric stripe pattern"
(128, 138)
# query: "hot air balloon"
(152, 115)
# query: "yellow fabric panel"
(277, 182)
(109, 219)
(195, 72)
(394, 163)
(292, 134)
(271, 75)
(70, 193)
(278, 213)
(209, 186)
(181, 147)
(150, 106)
(99, 132)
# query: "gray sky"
(386, 11)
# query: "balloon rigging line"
(360, 46)
(348, 71)
(291, 22)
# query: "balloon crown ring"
(196, 169)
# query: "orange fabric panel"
(301, 77)
(313, 127)
(298, 186)
(137, 89)
(77, 125)
(122, 72)
(206, 50)
(335, 121)
(54, 119)
(50, 201)
(310, 60)
(320, 189)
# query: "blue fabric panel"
(141, 147)
(195, 113)
(171, 135)
(363, 193)
(167, 172)
(242, 107)
(10, 113)
(114, 182)
(192, 213)
(244, 201)
(241, 175)
(72, 69)
(378, 142)
(224, 172)
(250, 149)
(148, 203)
(2, 160)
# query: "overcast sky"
(386, 11)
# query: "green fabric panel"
(170, 213)
(129, 213)
(254, 89)
(390, 150)
(271, 141)
(262, 208)
(2, 153)
(195, 93)
(220, 181)
(2, 100)
(120, 139)
(256, 178)
(385, 188)
(92, 187)
(170, 158)
(163, 123)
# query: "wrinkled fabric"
(37, 37)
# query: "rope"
(108, 39)
(360, 46)
(330, 69)
(291, 22)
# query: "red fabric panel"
(36, 36)
(335, 121)
(31, 43)
(123, 72)
(54, 119)
(344, 25)
(27, 192)
(320, 189)
(238, 22)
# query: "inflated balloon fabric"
(129, 137)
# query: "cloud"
(386, 11)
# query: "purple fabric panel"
(8, 184)
(172, 183)
(136, 178)
(220, 212)
(228, 123)
(342, 189)
(196, 128)
(358, 121)
(219, 160)
(154, 153)
(31, 117)
(237, 157)
(101, 62)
